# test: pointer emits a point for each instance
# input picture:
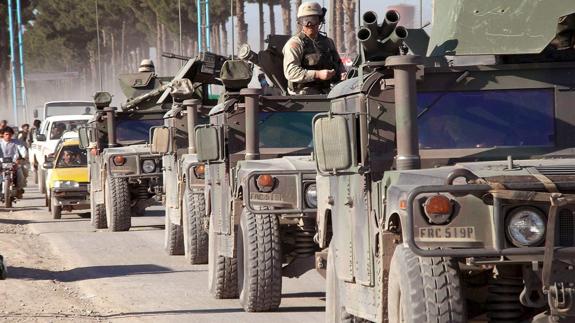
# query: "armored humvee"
(484, 231)
(125, 177)
(260, 182)
(183, 176)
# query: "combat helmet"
(308, 10)
(146, 66)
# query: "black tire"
(3, 270)
(55, 209)
(6, 191)
(196, 239)
(174, 238)
(222, 271)
(259, 262)
(41, 181)
(118, 211)
(424, 289)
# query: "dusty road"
(63, 270)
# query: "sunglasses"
(310, 21)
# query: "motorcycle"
(8, 175)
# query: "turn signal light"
(119, 160)
(438, 209)
(200, 171)
(265, 181)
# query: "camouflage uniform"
(303, 56)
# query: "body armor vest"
(317, 55)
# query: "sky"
(378, 6)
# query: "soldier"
(146, 65)
(311, 62)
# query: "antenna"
(98, 44)
(233, 30)
(180, 26)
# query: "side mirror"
(161, 140)
(332, 143)
(40, 137)
(84, 138)
(207, 143)
(48, 164)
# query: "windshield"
(135, 130)
(67, 108)
(60, 127)
(286, 129)
(484, 119)
(72, 156)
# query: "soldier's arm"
(294, 72)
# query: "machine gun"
(380, 41)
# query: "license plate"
(446, 233)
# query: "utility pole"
(23, 102)
(13, 62)
(203, 24)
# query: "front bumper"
(77, 198)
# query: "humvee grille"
(566, 228)
(556, 170)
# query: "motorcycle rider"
(14, 149)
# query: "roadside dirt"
(36, 288)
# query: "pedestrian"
(23, 134)
(3, 125)
(311, 61)
(34, 131)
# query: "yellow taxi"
(68, 177)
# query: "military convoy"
(434, 185)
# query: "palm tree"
(286, 16)
(241, 26)
(271, 4)
(261, 15)
(349, 12)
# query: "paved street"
(63, 270)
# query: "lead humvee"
(260, 182)
(183, 176)
(125, 177)
(485, 230)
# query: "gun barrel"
(389, 23)
(176, 56)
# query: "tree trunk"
(113, 54)
(272, 17)
(224, 38)
(297, 4)
(261, 15)
(123, 48)
(339, 26)
(158, 43)
(286, 16)
(241, 26)
(351, 41)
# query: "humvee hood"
(141, 149)
(305, 163)
(523, 171)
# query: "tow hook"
(561, 299)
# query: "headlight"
(311, 196)
(526, 226)
(66, 184)
(148, 166)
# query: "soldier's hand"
(324, 75)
